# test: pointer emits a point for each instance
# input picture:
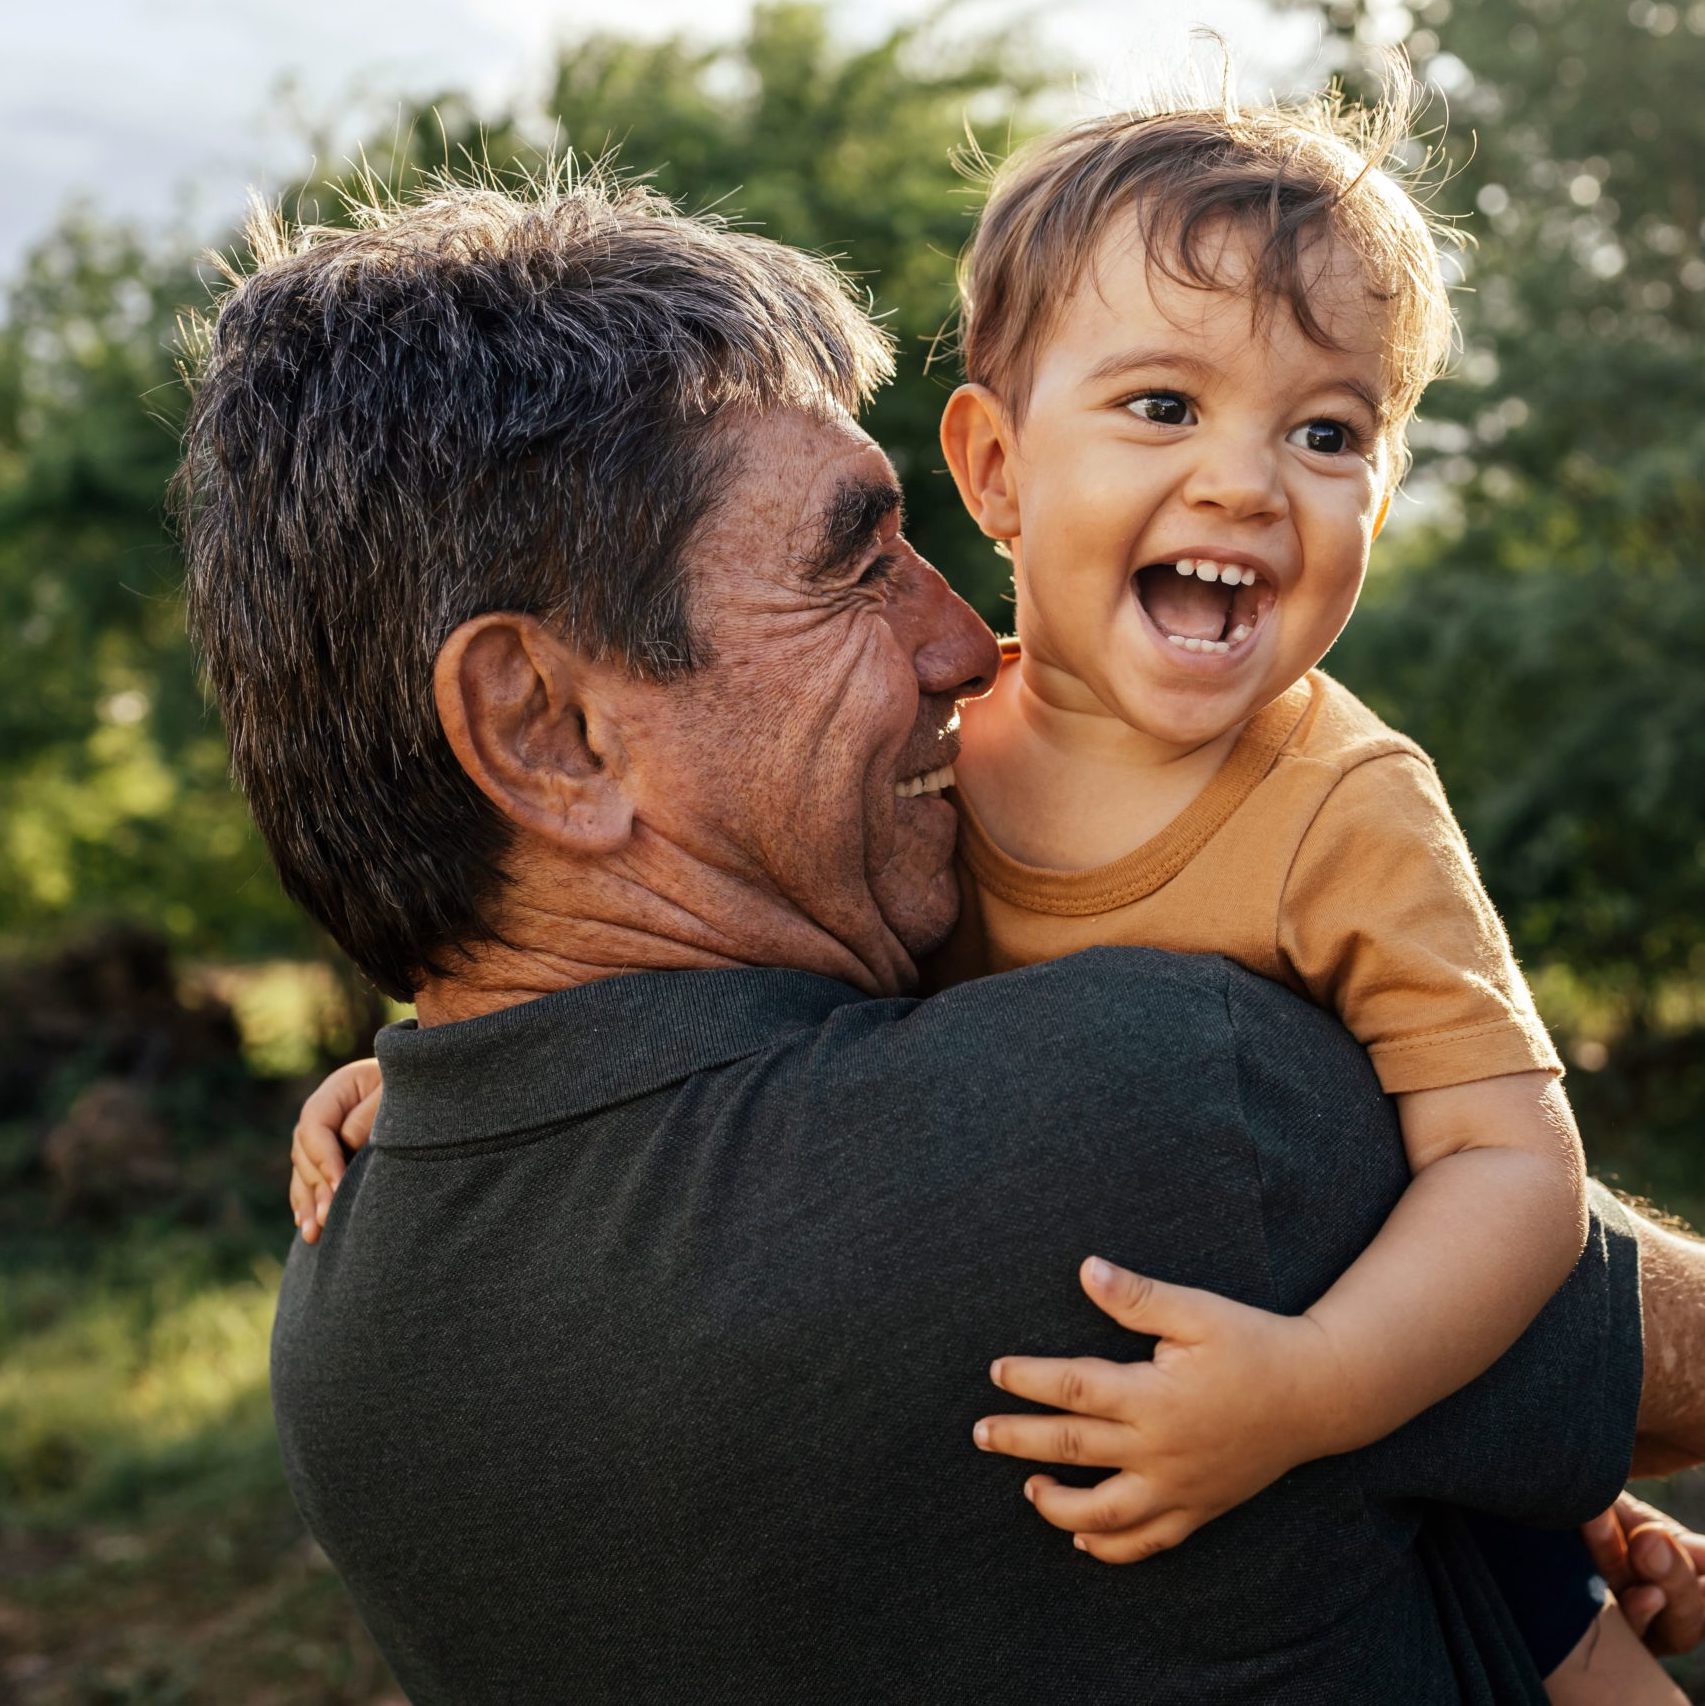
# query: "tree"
(112, 775)
(1542, 627)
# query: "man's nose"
(1239, 476)
(953, 652)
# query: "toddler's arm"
(1234, 1397)
(339, 1115)
(1489, 1227)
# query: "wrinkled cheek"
(808, 735)
(915, 888)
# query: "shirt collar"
(572, 1052)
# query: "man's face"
(806, 757)
(1198, 493)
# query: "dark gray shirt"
(639, 1358)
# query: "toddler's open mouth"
(1201, 604)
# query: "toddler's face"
(1197, 494)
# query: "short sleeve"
(1384, 920)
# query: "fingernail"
(1080, 1543)
(1652, 1554)
(980, 1433)
(1030, 1491)
(1098, 1271)
(995, 1368)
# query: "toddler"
(1194, 341)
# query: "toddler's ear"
(976, 438)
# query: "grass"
(149, 1546)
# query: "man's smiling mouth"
(1202, 604)
(931, 782)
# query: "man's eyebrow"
(847, 524)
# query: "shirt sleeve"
(1545, 1436)
(1384, 920)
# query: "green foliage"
(1542, 630)
(112, 775)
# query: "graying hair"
(473, 400)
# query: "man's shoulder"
(1106, 1028)
(1121, 1003)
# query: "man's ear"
(526, 717)
(976, 438)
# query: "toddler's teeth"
(1218, 645)
(1206, 571)
(1178, 639)
(1192, 645)
(1249, 577)
(1185, 565)
(1239, 633)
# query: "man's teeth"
(1238, 634)
(933, 783)
(1206, 569)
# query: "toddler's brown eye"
(1328, 437)
(1164, 408)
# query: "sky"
(167, 111)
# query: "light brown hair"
(1284, 175)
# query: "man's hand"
(338, 1116)
(1224, 1409)
(1656, 1569)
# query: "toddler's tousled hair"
(1284, 174)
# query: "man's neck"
(558, 929)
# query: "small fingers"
(359, 1126)
(1056, 1439)
(1121, 1501)
(302, 1162)
(1639, 1605)
(316, 1150)
(302, 1209)
(1609, 1548)
(1147, 1305)
(1090, 1385)
(1660, 1563)
(340, 1096)
(1133, 1545)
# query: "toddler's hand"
(338, 1116)
(1656, 1569)
(1228, 1405)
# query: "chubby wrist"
(1332, 1404)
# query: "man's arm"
(1670, 1431)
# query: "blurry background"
(1536, 618)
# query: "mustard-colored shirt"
(1323, 855)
